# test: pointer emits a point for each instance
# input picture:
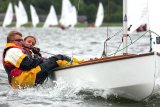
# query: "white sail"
(34, 16)
(18, 18)
(146, 12)
(21, 15)
(100, 15)
(74, 16)
(51, 18)
(154, 16)
(66, 14)
(9, 16)
(138, 16)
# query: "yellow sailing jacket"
(19, 76)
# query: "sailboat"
(9, 16)
(68, 15)
(100, 15)
(51, 19)
(131, 76)
(73, 16)
(21, 15)
(34, 16)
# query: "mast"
(125, 35)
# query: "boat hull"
(131, 77)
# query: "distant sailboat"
(18, 18)
(73, 16)
(9, 16)
(100, 15)
(21, 15)
(34, 16)
(68, 14)
(51, 18)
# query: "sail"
(67, 10)
(72, 19)
(21, 15)
(154, 18)
(34, 16)
(137, 14)
(51, 18)
(146, 12)
(9, 16)
(18, 18)
(100, 15)
(74, 16)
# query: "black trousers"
(48, 66)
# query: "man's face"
(18, 40)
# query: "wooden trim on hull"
(108, 59)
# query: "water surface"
(83, 43)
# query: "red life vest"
(11, 70)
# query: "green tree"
(91, 13)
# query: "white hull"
(131, 76)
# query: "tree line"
(112, 8)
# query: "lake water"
(83, 43)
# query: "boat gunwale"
(107, 59)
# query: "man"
(25, 71)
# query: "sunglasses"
(18, 40)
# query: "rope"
(132, 42)
(104, 47)
(74, 38)
(47, 53)
(154, 33)
(118, 48)
(129, 44)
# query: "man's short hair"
(11, 36)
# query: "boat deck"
(106, 59)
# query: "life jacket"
(19, 78)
